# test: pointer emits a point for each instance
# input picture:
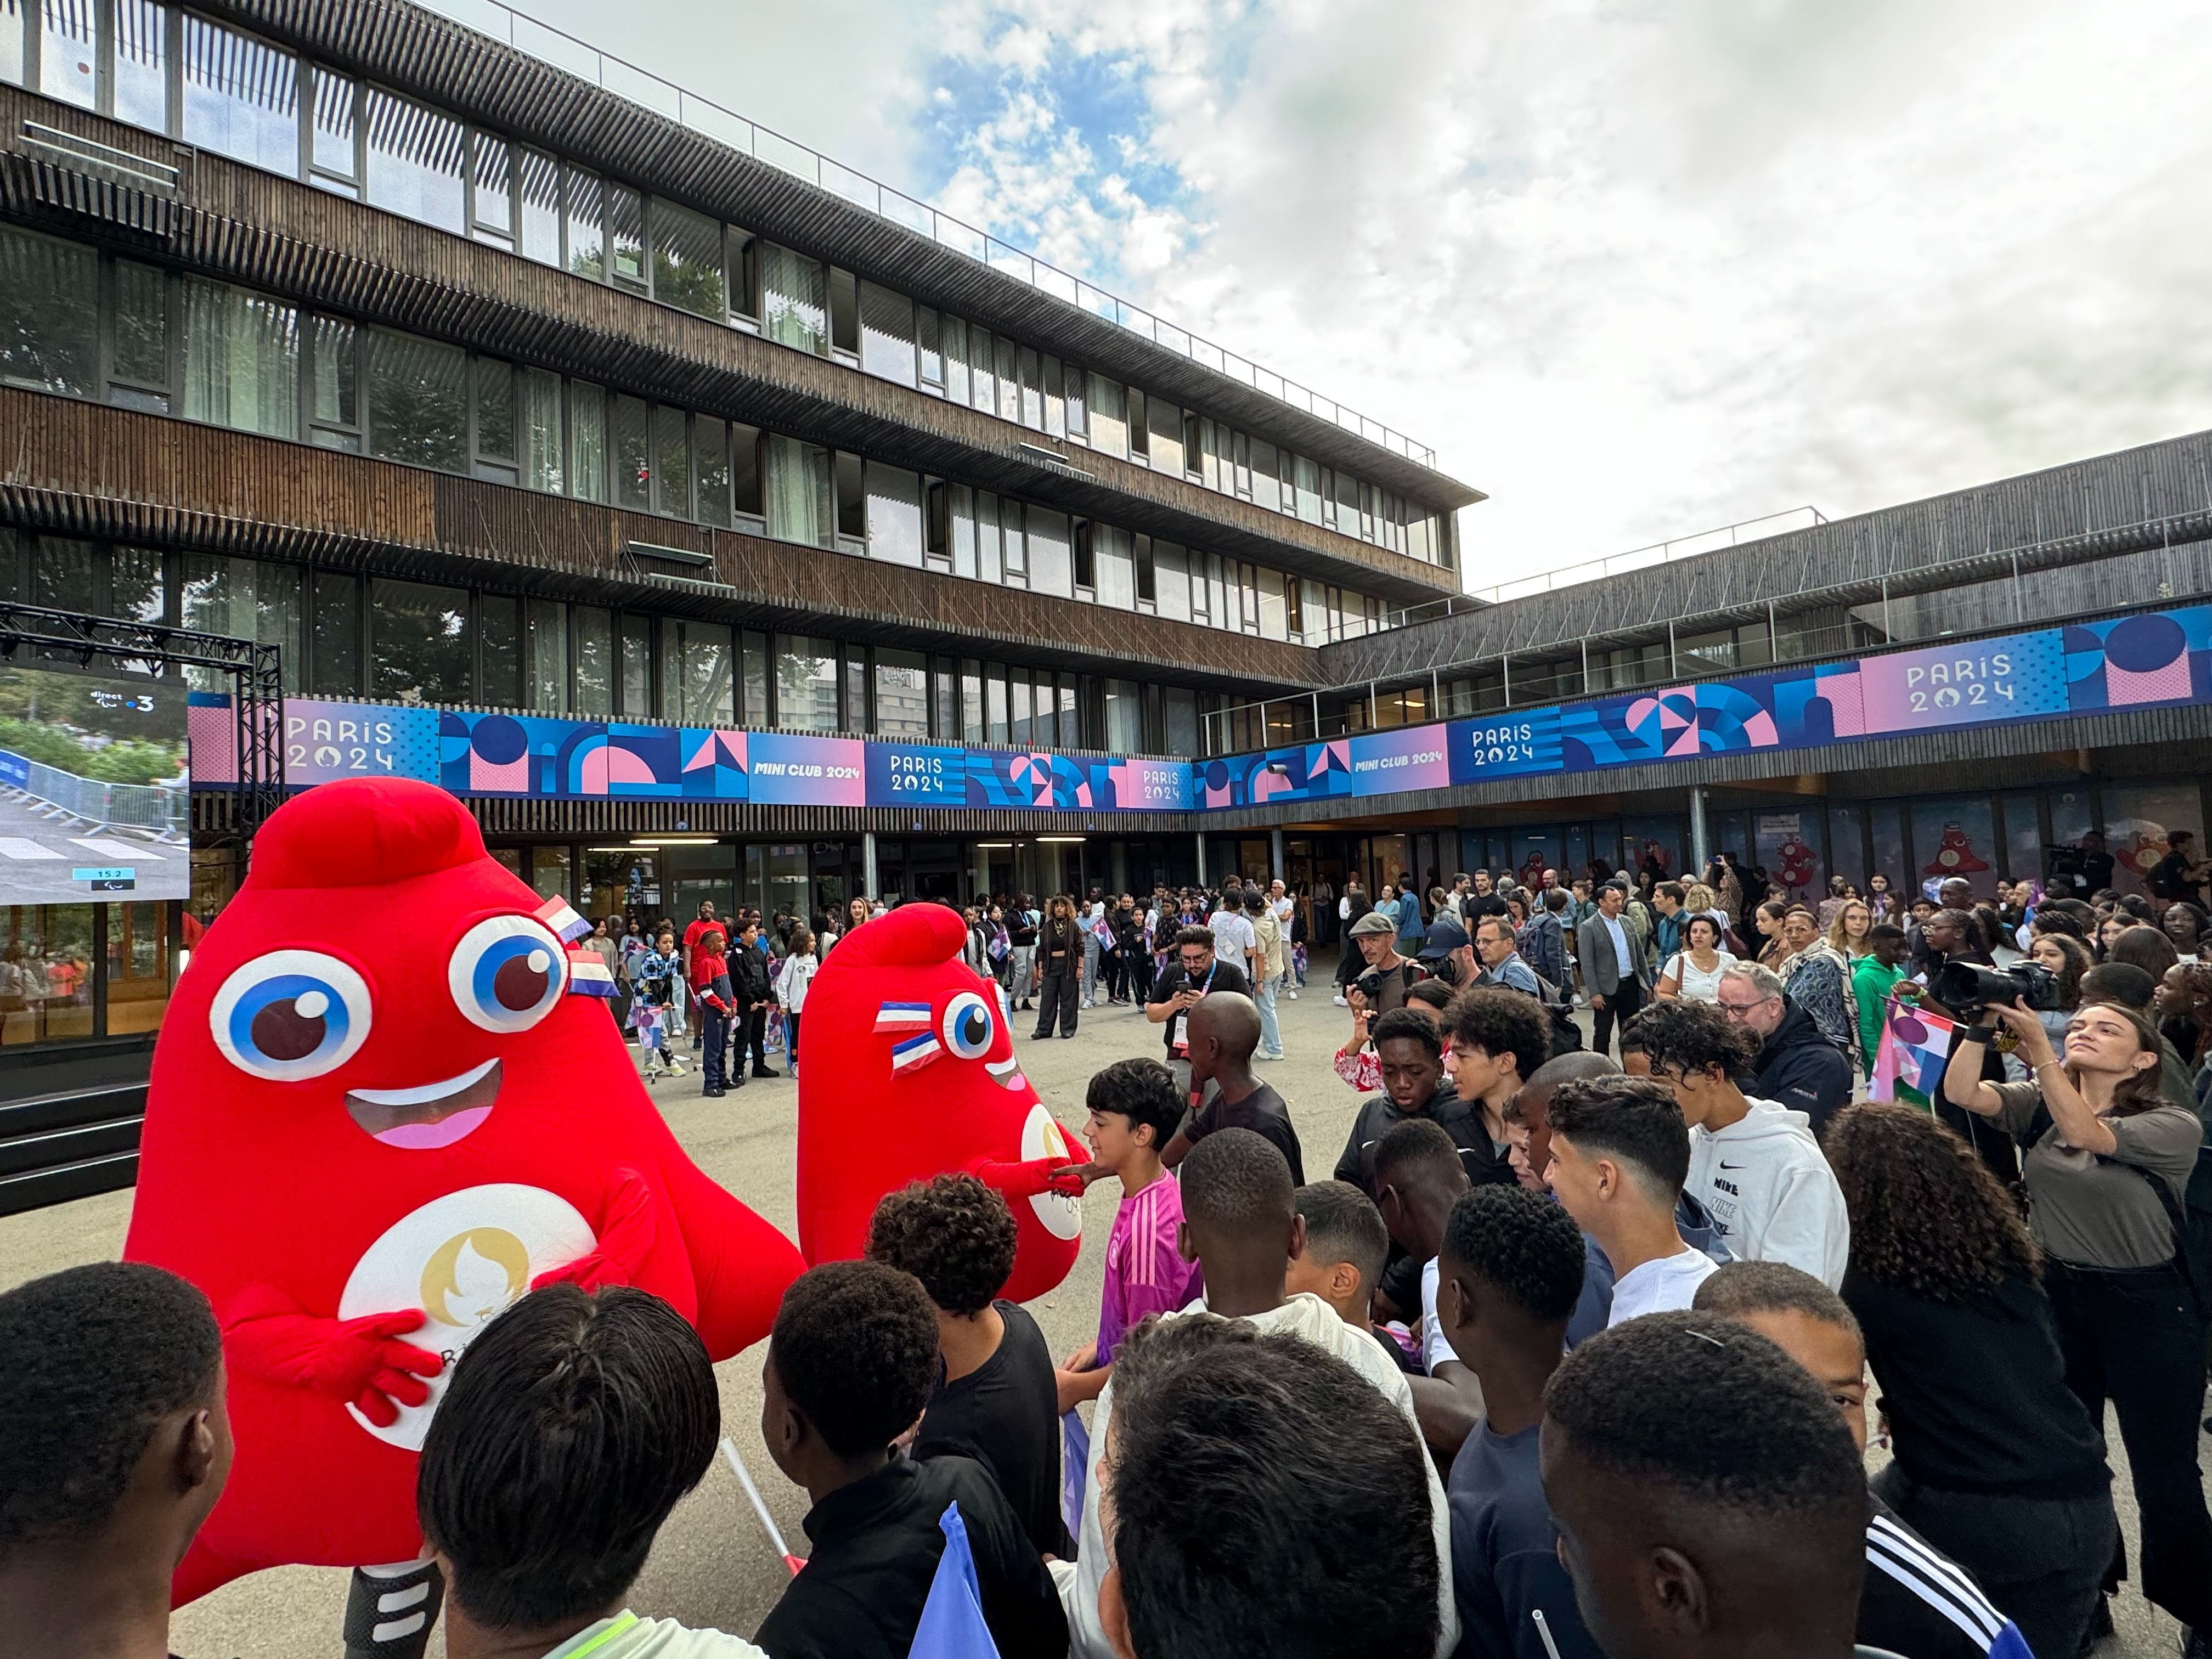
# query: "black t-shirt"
(1263, 1112)
(1379, 1115)
(1474, 906)
(1005, 1415)
(1223, 976)
(1976, 1391)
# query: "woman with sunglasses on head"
(2107, 1161)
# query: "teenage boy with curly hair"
(993, 1399)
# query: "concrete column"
(1275, 837)
(1118, 864)
(1700, 848)
(868, 863)
(1201, 857)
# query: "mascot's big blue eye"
(969, 1026)
(507, 973)
(290, 1015)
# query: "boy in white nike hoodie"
(1754, 1164)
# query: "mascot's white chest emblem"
(462, 1258)
(1043, 1137)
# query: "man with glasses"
(1797, 1066)
(1194, 972)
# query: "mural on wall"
(2126, 662)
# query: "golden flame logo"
(474, 1275)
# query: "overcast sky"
(1634, 269)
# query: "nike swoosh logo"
(1732, 1166)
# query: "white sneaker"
(1272, 1056)
(1341, 1002)
(1294, 996)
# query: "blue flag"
(952, 1625)
(1074, 1472)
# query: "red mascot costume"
(910, 1073)
(387, 1102)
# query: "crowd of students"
(1568, 1356)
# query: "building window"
(241, 361)
(955, 333)
(421, 643)
(687, 261)
(415, 162)
(491, 193)
(746, 470)
(894, 525)
(805, 682)
(844, 311)
(499, 650)
(755, 711)
(587, 230)
(625, 237)
(852, 498)
(138, 367)
(902, 695)
(796, 310)
(983, 383)
(418, 401)
(587, 441)
(1086, 559)
(541, 431)
(629, 452)
(49, 313)
(799, 501)
(745, 250)
(495, 420)
(1114, 567)
(594, 654)
(1148, 574)
(887, 335)
(335, 669)
(140, 71)
(635, 642)
(334, 154)
(549, 656)
(672, 462)
(1125, 717)
(710, 462)
(540, 178)
(334, 396)
(241, 97)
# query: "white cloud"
(1635, 269)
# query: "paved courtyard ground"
(713, 1565)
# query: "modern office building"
(719, 524)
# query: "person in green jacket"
(1873, 977)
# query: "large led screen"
(94, 792)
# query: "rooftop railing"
(702, 115)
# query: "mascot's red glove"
(1015, 1181)
(359, 1361)
(626, 1234)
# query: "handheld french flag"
(1914, 1048)
(588, 976)
(561, 916)
(952, 1625)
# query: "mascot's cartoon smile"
(435, 1114)
(356, 1222)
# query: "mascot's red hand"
(625, 1240)
(1028, 1180)
(359, 1361)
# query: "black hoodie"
(1800, 1069)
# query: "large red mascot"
(381, 1112)
(910, 1073)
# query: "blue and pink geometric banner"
(2157, 658)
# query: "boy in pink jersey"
(1135, 1108)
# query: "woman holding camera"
(2106, 1162)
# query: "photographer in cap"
(1447, 953)
(1389, 975)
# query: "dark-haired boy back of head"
(1734, 1529)
(994, 1398)
(114, 1445)
(1261, 1498)
(572, 1426)
(1510, 1275)
(849, 1367)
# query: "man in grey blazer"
(1615, 965)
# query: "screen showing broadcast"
(94, 790)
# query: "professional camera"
(1966, 988)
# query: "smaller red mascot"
(387, 1102)
(910, 1073)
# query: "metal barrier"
(155, 807)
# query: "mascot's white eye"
(290, 1016)
(968, 1027)
(507, 973)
